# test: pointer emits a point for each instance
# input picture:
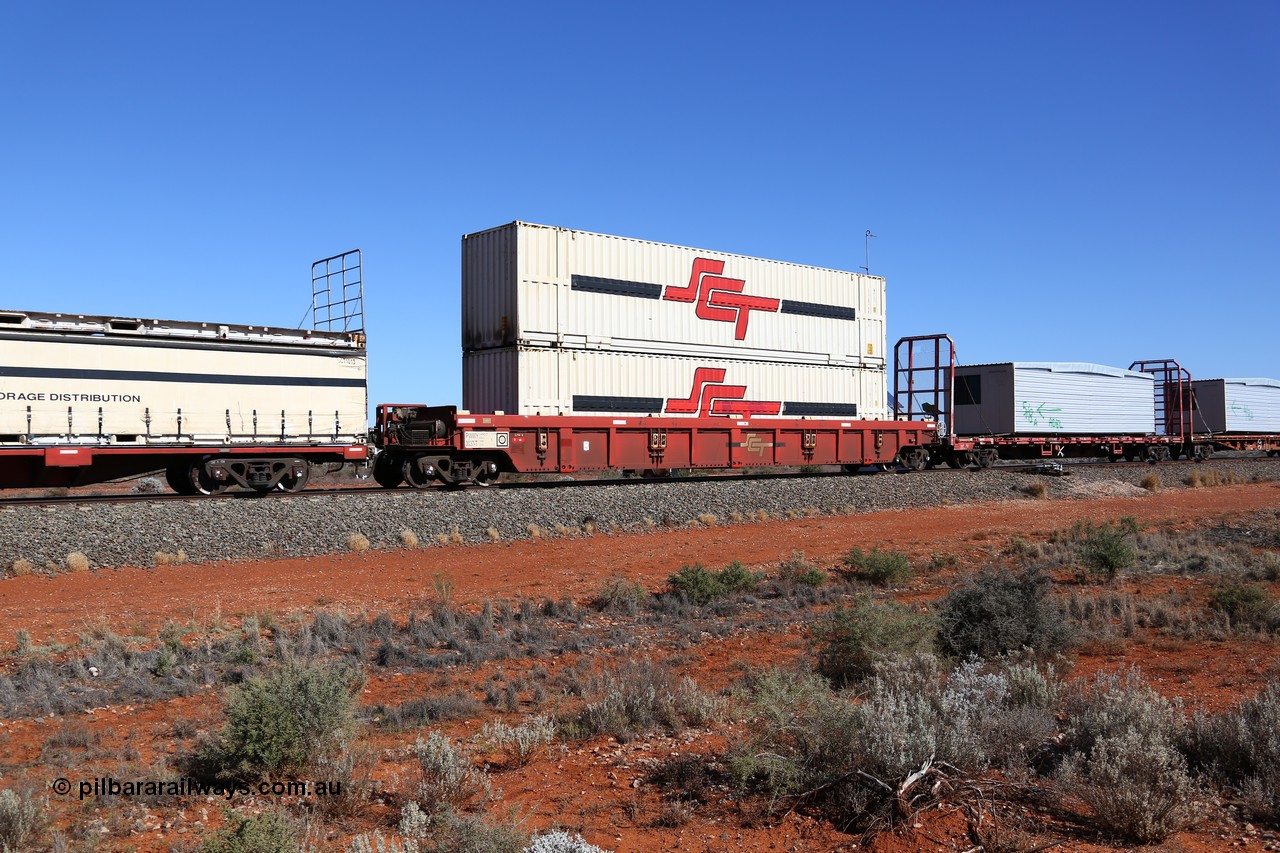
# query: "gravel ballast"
(132, 534)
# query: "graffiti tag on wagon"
(1040, 415)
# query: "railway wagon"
(420, 445)
(85, 399)
(532, 285)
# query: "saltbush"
(21, 818)
(1246, 605)
(1241, 747)
(996, 612)
(879, 567)
(850, 641)
(269, 832)
(284, 721)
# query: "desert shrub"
(997, 612)
(696, 584)
(1038, 490)
(1105, 548)
(376, 843)
(357, 543)
(619, 595)
(850, 641)
(735, 578)
(428, 709)
(1151, 482)
(1241, 747)
(286, 720)
(1136, 784)
(269, 832)
(1246, 605)
(644, 696)
(561, 842)
(522, 742)
(796, 570)
(701, 586)
(21, 819)
(448, 779)
(1114, 704)
(879, 567)
(77, 562)
(871, 761)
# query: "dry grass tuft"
(77, 561)
(442, 539)
(791, 513)
(442, 586)
(589, 527)
(535, 532)
(170, 558)
(563, 530)
(493, 534)
(21, 566)
(736, 517)
(1151, 482)
(708, 518)
(409, 539)
(811, 512)
(1038, 490)
(649, 523)
(357, 543)
(455, 536)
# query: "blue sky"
(1048, 181)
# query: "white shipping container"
(1053, 398)
(550, 381)
(75, 379)
(1237, 405)
(536, 285)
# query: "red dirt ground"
(588, 787)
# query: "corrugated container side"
(556, 287)
(1053, 398)
(99, 389)
(548, 381)
(1246, 406)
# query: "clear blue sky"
(1048, 181)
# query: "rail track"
(1048, 468)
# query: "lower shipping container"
(1245, 406)
(553, 381)
(1053, 398)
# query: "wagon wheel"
(986, 457)
(419, 479)
(914, 458)
(486, 474)
(958, 459)
(386, 472)
(290, 483)
(200, 483)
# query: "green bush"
(735, 578)
(696, 584)
(1105, 548)
(284, 721)
(850, 641)
(995, 613)
(269, 832)
(702, 587)
(879, 567)
(1246, 605)
(798, 571)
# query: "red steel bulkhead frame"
(1173, 416)
(938, 381)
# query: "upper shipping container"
(1053, 398)
(1247, 406)
(535, 285)
(556, 381)
(76, 379)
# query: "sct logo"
(711, 397)
(719, 298)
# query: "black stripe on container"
(194, 378)
(817, 309)
(591, 403)
(820, 410)
(615, 286)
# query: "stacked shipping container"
(1240, 406)
(558, 322)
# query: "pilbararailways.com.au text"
(109, 786)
